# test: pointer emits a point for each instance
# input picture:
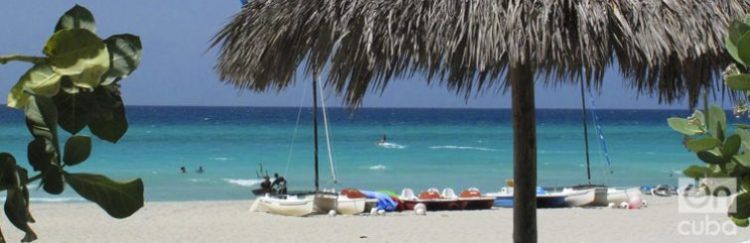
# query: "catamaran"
(317, 201)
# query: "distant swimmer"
(183, 170)
(200, 170)
(383, 140)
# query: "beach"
(231, 221)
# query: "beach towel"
(385, 201)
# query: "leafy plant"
(724, 154)
(76, 84)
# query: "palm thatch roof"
(665, 47)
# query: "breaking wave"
(243, 182)
(377, 167)
(462, 148)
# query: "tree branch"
(21, 58)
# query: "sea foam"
(462, 148)
(378, 167)
(391, 145)
(243, 182)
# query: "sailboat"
(301, 203)
(590, 194)
(317, 201)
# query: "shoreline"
(231, 221)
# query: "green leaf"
(16, 203)
(740, 222)
(695, 171)
(40, 153)
(731, 146)
(71, 52)
(745, 136)
(41, 117)
(52, 182)
(77, 150)
(697, 145)
(77, 18)
(718, 122)
(118, 199)
(125, 56)
(745, 183)
(743, 48)
(40, 80)
(711, 157)
(18, 98)
(109, 122)
(683, 126)
(736, 30)
(740, 207)
(74, 110)
(91, 77)
(739, 82)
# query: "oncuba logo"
(708, 195)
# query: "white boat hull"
(586, 197)
(351, 206)
(292, 206)
(619, 196)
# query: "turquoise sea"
(456, 148)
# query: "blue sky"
(177, 70)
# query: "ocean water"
(456, 148)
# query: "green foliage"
(684, 126)
(77, 149)
(738, 82)
(74, 86)
(725, 154)
(702, 144)
(76, 18)
(119, 199)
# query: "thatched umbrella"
(671, 48)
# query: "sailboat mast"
(315, 124)
(585, 132)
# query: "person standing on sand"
(266, 185)
(280, 183)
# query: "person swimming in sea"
(183, 170)
(383, 140)
(200, 170)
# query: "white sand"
(230, 221)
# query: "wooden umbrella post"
(524, 154)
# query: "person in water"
(280, 183)
(183, 170)
(383, 140)
(200, 170)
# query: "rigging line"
(328, 136)
(585, 131)
(600, 133)
(296, 128)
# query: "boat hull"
(542, 201)
(284, 206)
(435, 204)
(586, 197)
(477, 203)
(295, 205)
(351, 206)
